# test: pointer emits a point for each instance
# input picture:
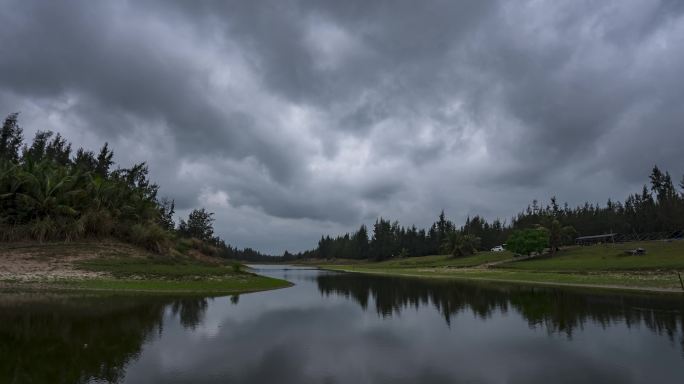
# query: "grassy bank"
(601, 266)
(220, 286)
(121, 268)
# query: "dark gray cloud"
(291, 119)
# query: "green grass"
(660, 255)
(596, 266)
(227, 285)
(166, 275)
(155, 268)
(442, 261)
(654, 281)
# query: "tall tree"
(85, 160)
(555, 236)
(166, 211)
(36, 152)
(11, 137)
(58, 150)
(104, 160)
(360, 239)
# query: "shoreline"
(463, 275)
(120, 268)
(109, 287)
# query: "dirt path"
(53, 261)
(495, 263)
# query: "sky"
(293, 119)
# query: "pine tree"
(36, 152)
(104, 161)
(58, 150)
(360, 240)
(11, 137)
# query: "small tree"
(568, 235)
(200, 225)
(461, 245)
(526, 241)
(166, 211)
(559, 235)
(555, 236)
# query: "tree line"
(48, 192)
(659, 207)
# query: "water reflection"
(75, 338)
(341, 328)
(555, 310)
(190, 310)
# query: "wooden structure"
(596, 239)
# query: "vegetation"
(460, 244)
(603, 265)
(222, 286)
(45, 194)
(479, 259)
(655, 212)
(661, 282)
(526, 241)
(661, 256)
(115, 266)
(127, 267)
(49, 193)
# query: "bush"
(97, 223)
(72, 230)
(461, 245)
(44, 229)
(526, 241)
(150, 236)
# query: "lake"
(346, 328)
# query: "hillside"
(113, 265)
(601, 266)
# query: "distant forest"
(657, 210)
(48, 192)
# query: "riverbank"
(605, 266)
(115, 267)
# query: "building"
(596, 239)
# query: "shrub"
(460, 245)
(526, 241)
(150, 236)
(97, 223)
(43, 229)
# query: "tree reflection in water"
(77, 339)
(82, 338)
(556, 310)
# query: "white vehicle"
(498, 248)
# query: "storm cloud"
(293, 119)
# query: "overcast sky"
(293, 119)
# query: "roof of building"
(596, 236)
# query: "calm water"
(345, 328)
